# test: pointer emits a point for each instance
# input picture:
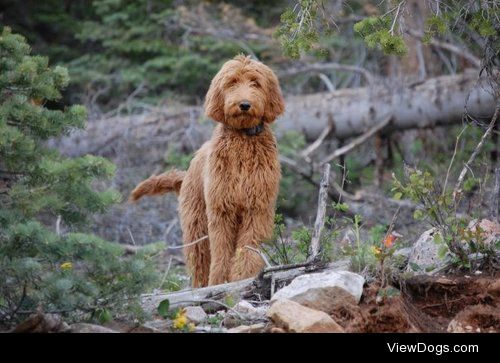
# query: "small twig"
(391, 226)
(188, 244)
(58, 225)
(131, 236)
(452, 159)
(284, 267)
(308, 176)
(328, 83)
(391, 31)
(441, 304)
(315, 246)
(461, 52)
(273, 285)
(166, 273)
(204, 301)
(357, 141)
(474, 154)
(264, 258)
(496, 195)
(317, 143)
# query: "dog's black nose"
(245, 106)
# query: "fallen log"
(259, 288)
(436, 101)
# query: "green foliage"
(138, 46)
(76, 274)
(278, 249)
(295, 193)
(163, 308)
(439, 208)
(361, 253)
(177, 159)
(376, 31)
(297, 32)
(482, 25)
(282, 249)
(435, 25)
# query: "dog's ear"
(275, 102)
(214, 100)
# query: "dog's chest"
(245, 171)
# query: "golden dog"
(229, 191)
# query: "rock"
(243, 313)
(254, 328)
(158, 325)
(275, 329)
(490, 230)
(403, 252)
(296, 318)
(89, 328)
(209, 329)
(250, 312)
(196, 314)
(424, 253)
(478, 318)
(494, 288)
(324, 290)
(42, 323)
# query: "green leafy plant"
(77, 275)
(439, 208)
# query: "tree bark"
(437, 101)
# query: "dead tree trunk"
(437, 101)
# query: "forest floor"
(460, 303)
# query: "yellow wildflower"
(180, 320)
(66, 266)
(376, 251)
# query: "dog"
(229, 191)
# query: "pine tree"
(77, 274)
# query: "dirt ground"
(427, 304)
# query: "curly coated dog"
(229, 191)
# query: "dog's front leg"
(222, 235)
(256, 227)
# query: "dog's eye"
(232, 82)
(255, 83)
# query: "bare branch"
(496, 196)
(264, 258)
(315, 246)
(476, 151)
(357, 141)
(317, 143)
(391, 31)
(461, 52)
(320, 67)
(308, 176)
(452, 159)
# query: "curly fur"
(229, 191)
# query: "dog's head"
(244, 93)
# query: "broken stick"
(315, 246)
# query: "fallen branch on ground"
(315, 247)
(244, 289)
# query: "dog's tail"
(169, 181)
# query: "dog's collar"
(254, 131)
